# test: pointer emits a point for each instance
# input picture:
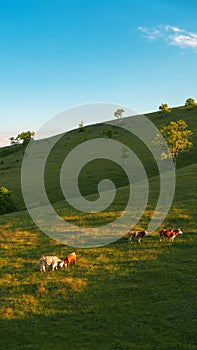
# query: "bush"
(7, 204)
(108, 133)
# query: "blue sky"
(55, 54)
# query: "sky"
(56, 54)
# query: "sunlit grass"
(136, 285)
(121, 296)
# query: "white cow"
(54, 261)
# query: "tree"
(190, 103)
(164, 108)
(7, 204)
(81, 126)
(176, 136)
(25, 137)
(118, 113)
(13, 141)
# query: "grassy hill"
(118, 296)
(11, 157)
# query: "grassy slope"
(10, 165)
(118, 296)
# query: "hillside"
(117, 297)
(11, 158)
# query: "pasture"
(117, 297)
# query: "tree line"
(190, 104)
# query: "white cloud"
(4, 140)
(172, 35)
(5, 135)
(189, 40)
(151, 33)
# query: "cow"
(136, 234)
(61, 264)
(171, 233)
(49, 260)
(70, 258)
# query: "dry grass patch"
(20, 306)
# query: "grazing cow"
(61, 263)
(171, 233)
(70, 258)
(49, 260)
(136, 234)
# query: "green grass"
(10, 164)
(118, 297)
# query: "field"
(120, 296)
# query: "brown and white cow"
(61, 264)
(170, 233)
(70, 258)
(136, 234)
(49, 260)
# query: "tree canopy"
(25, 136)
(81, 126)
(176, 135)
(164, 108)
(190, 103)
(118, 113)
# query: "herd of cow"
(55, 262)
(170, 233)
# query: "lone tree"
(176, 135)
(25, 137)
(190, 103)
(164, 108)
(118, 113)
(7, 204)
(81, 126)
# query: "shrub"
(7, 204)
(108, 133)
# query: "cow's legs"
(54, 266)
(43, 268)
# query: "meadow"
(117, 297)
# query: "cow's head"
(61, 263)
(179, 231)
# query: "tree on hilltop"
(176, 135)
(190, 103)
(25, 137)
(81, 126)
(13, 141)
(164, 108)
(118, 113)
